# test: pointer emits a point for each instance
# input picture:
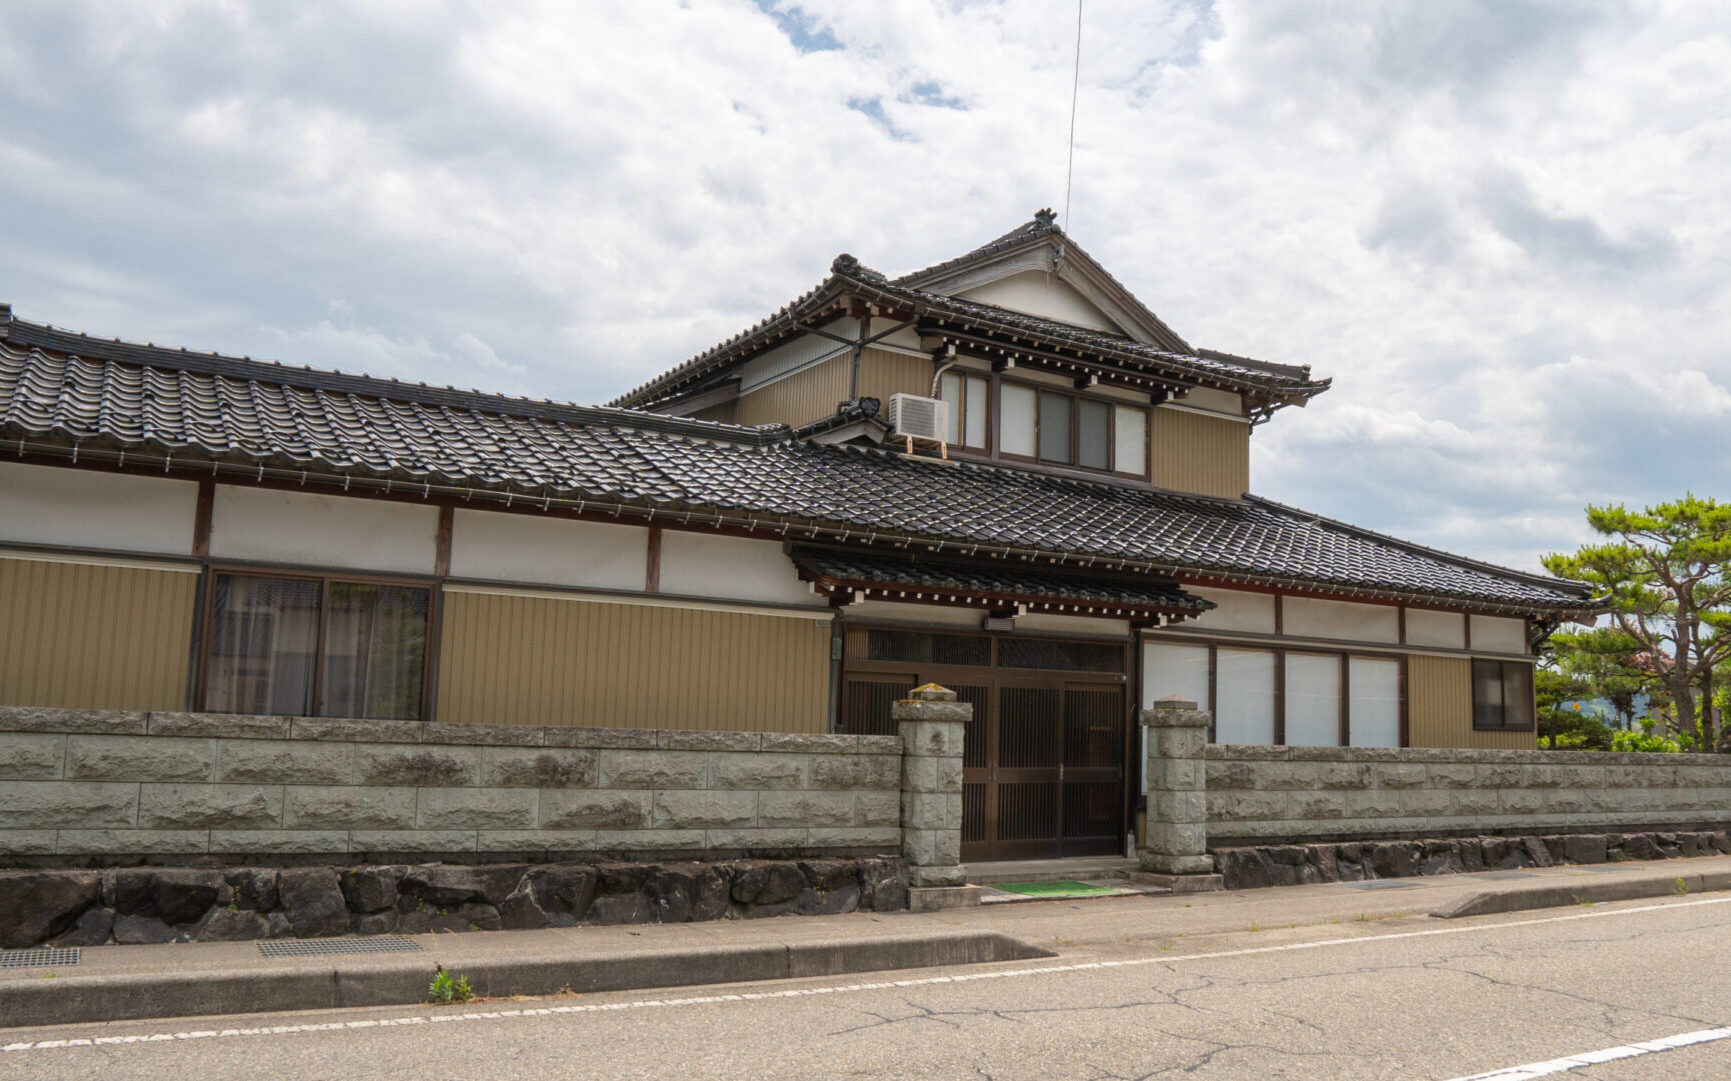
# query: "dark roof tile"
(229, 410)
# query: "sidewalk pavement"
(112, 983)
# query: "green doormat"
(1056, 890)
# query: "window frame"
(429, 650)
(959, 409)
(1343, 656)
(1525, 677)
(1074, 398)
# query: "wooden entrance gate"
(1043, 768)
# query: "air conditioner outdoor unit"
(913, 417)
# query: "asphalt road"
(1406, 998)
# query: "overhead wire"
(1075, 87)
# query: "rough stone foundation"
(1355, 861)
(147, 904)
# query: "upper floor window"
(1048, 425)
(1061, 428)
(315, 647)
(968, 411)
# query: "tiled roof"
(848, 278)
(986, 578)
(152, 403)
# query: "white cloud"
(1499, 225)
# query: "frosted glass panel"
(1130, 440)
(1375, 702)
(1016, 424)
(975, 423)
(950, 390)
(1093, 419)
(1170, 669)
(1244, 681)
(1312, 700)
(1054, 427)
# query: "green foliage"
(1644, 740)
(444, 990)
(1666, 576)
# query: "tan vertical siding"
(552, 661)
(797, 399)
(1196, 453)
(94, 636)
(1440, 708)
(883, 373)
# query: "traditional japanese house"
(1002, 473)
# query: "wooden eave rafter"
(842, 592)
(1018, 353)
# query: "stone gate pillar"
(1175, 837)
(931, 723)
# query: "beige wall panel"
(1498, 634)
(1237, 610)
(548, 551)
(1440, 708)
(1313, 617)
(1196, 453)
(513, 659)
(1039, 293)
(1425, 627)
(312, 529)
(883, 373)
(799, 398)
(94, 636)
(82, 508)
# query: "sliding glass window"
(319, 647)
(1061, 428)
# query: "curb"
(1523, 898)
(75, 999)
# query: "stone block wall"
(101, 787)
(1296, 794)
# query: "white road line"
(853, 988)
(1609, 1054)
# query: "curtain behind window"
(375, 646)
(264, 635)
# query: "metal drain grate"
(45, 957)
(312, 947)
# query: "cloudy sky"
(1503, 227)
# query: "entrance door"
(1043, 758)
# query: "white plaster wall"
(549, 551)
(1499, 634)
(1307, 617)
(1214, 401)
(736, 568)
(304, 529)
(81, 508)
(801, 350)
(1237, 611)
(1447, 630)
(1042, 294)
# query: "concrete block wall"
(112, 786)
(1294, 794)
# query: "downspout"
(865, 326)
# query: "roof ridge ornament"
(845, 264)
(1046, 217)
